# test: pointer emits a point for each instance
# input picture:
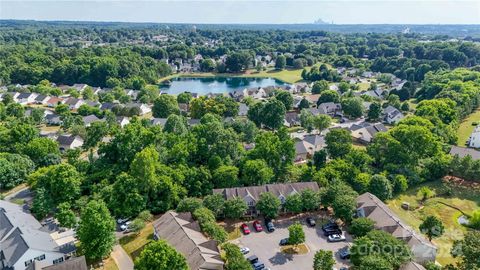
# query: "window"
(27, 263)
(59, 260)
(251, 203)
(40, 258)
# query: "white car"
(244, 250)
(336, 238)
(124, 227)
(122, 220)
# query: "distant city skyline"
(248, 12)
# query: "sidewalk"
(121, 258)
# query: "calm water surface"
(204, 86)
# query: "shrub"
(361, 226)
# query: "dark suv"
(329, 226)
(269, 225)
(311, 222)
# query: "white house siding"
(31, 254)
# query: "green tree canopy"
(96, 230)
(159, 255)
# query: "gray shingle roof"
(76, 263)
(183, 233)
(463, 152)
(275, 189)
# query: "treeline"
(99, 66)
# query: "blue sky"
(245, 11)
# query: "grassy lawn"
(363, 86)
(110, 264)
(466, 128)
(301, 249)
(465, 199)
(133, 244)
(13, 190)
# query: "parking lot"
(266, 246)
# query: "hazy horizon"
(246, 12)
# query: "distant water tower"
(194, 28)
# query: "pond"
(203, 86)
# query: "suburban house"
(368, 205)
(365, 132)
(306, 147)
(26, 98)
(329, 108)
(292, 119)
(42, 99)
(313, 98)
(123, 121)
(23, 240)
(53, 119)
(54, 101)
(76, 263)
(66, 142)
(143, 108)
(251, 195)
(80, 87)
(242, 109)
(74, 103)
(107, 106)
(89, 119)
(158, 121)
(412, 266)
(392, 115)
(474, 140)
(184, 234)
(462, 152)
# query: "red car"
(257, 226)
(245, 228)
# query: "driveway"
(121, 258)
(266, 247)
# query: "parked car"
(344, 253)
(284, 242)
(245, 228)
(244, 250)
(329, 232)
(121, 220)
(124, 226)
(329, 225)
(269, 225)
(252, 259)
(258, 266)
(336, 238)
(257, 226)
(311, 222)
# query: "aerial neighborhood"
(236, 147)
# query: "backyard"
(463, 198)
(466, 128)
(134, 243)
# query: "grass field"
(133, 244)
(463, 198)
(465, 129)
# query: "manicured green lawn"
(132, 244)
(466, 128)
(465, 199)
